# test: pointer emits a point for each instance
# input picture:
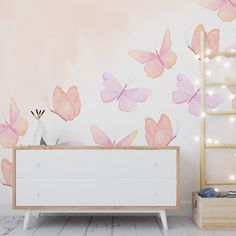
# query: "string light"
(218, 58)
(207, 60)
(209, 140)
(223, 86)
(210, 92)
(196, 138)
(232, 50)
(209, 73)
(235, 154)
(226, 65)
(203, 114)
(197, 82)
(216, 142)
(231, 96)
(216, 189)
(232, 177)
(208, 51)
(232, 119)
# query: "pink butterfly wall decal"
(126, 98)
(226, 9)
(102, 139)
(12, 129)
(159, 133)
(186, 93)
(156, 62)
(211, 39)
(67, 105)
(7, 168)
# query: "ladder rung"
(220, 182)
(219, 84)
(225, 54)
(220, 145)
(220, 113)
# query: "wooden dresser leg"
(26, 220)
(164, 219)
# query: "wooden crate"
(214, 213)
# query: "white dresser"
(96, 179)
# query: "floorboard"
(8, 224)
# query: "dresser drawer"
(96, 163)
(92, 192)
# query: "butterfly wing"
(18, 124)
(74, 100)
(212, 40)
(213, 101)
(129, 98)
(195, 105)
(153, 66)
(6, 167)
(128, 140)
(150, 131)
(184, 90)
(100, 137)
(226, 8)
(8, 137)
(195, 44)
(66, 105)
(164, 131)
(168, 57)
(112, 88)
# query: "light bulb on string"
(232, 50)
(210, 92)
(209, 140)
(231, 96)
(196, 138)
(207, 60)
(232, 177)
(232, 119)
(203, 114)
(209, 73)
(197, 82)
(216, 142)
(226, 65)
(218, 58)
(208, 51)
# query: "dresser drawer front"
(91, 192)
(96, 163)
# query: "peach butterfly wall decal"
(212, 40)
(102, 139)
(159, 133)
(127, 98)
(66, 105)
(156, 62)
(186, 93)
(6, 168)
(12, 129)
(226, 9)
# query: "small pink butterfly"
(101, 138)
(66, 105)
(127, 98)
(159, 133)
(186, 93)
(6, 167)
(155, 62)
(226, 9)
(212, 40)
(12, 129)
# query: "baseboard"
(184, 210)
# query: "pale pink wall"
(45, 43)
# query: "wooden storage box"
(214, 213)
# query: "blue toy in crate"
(208, 192)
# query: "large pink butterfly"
(66, 105)
(101, 138)
(12, 129)
(186, 93)
(226, 9)
(211, 39)
(156, 62)
(159, 133)
(127, 98)
(6, 167)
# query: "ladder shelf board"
(221, 182)
(221, 113)
(220, 146)
(211, 84)
(224, 54)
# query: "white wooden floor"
(104, 226)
